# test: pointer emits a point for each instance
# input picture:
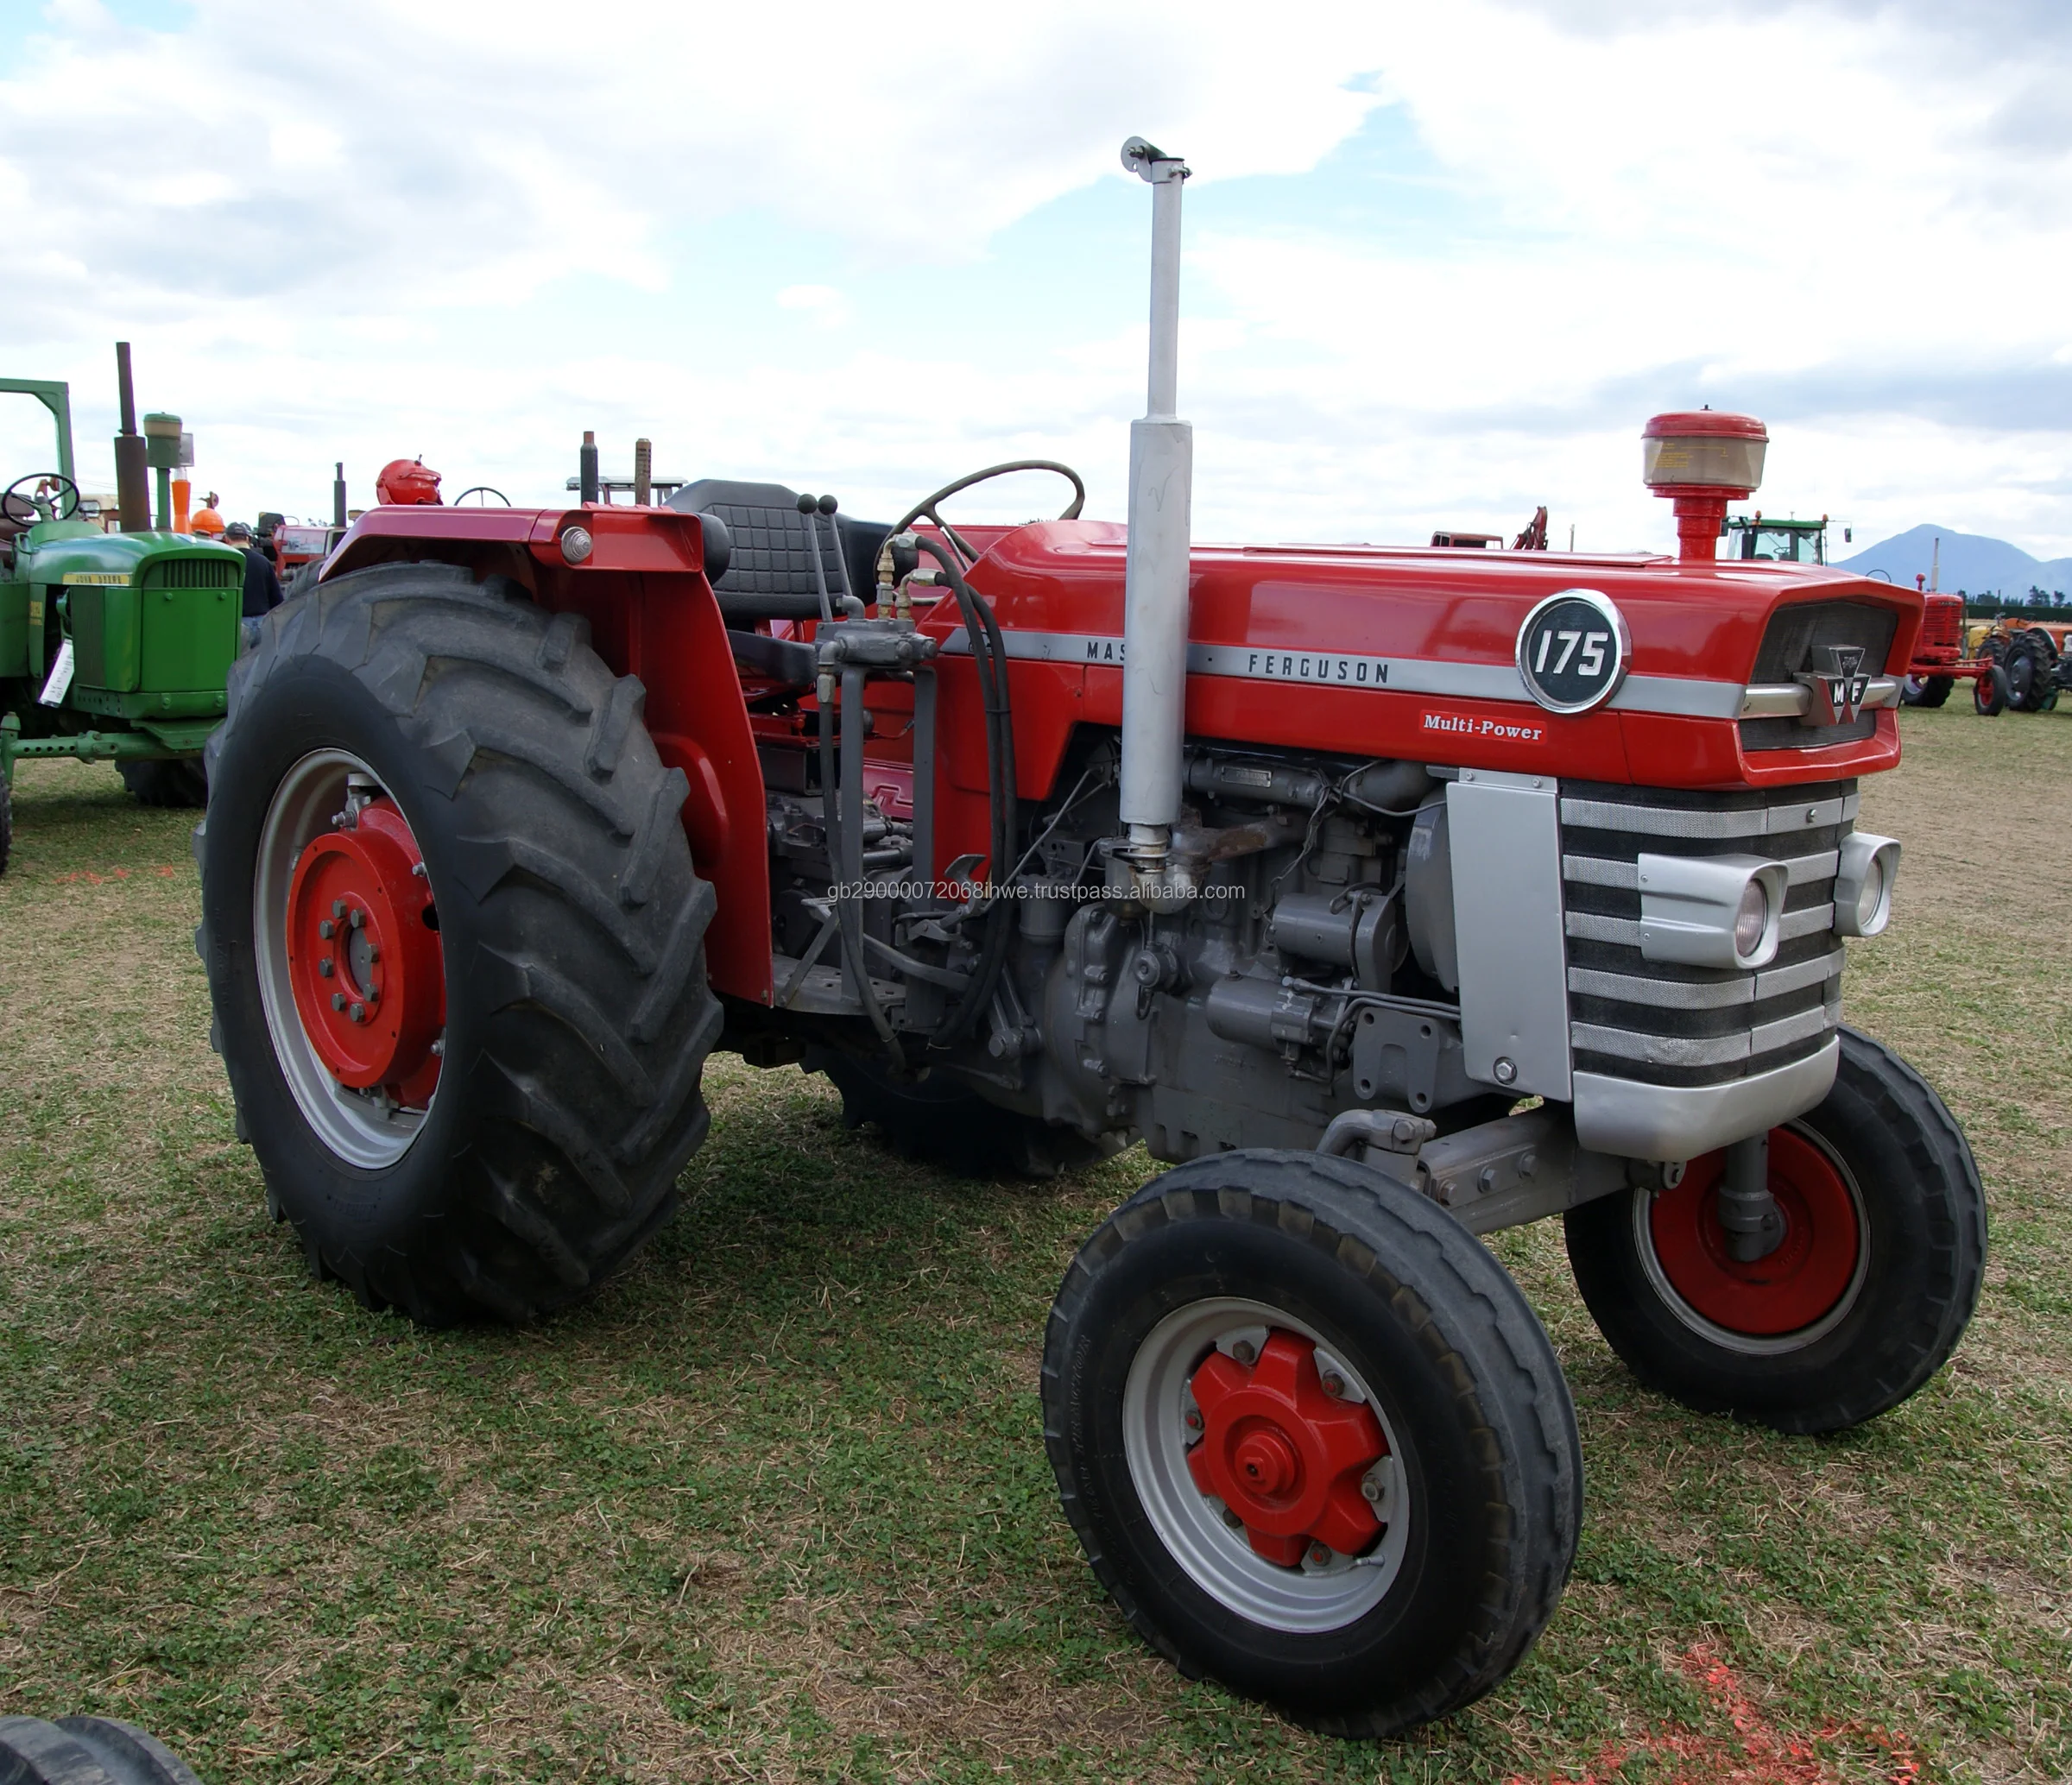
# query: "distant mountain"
(1971, 562)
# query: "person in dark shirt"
(262, 581)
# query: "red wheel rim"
(364, 956)
(1799, 1284)
(1283, 1453)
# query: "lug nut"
(1370, 1489)
(373, 954)
(338, 1001)
(337, 907)
(1320, 1554)
(358, 1014)
(327, 929)
(1231, 1519)
(325, 967)
(1192, 1419)
(357, 917)
(1244, 1350)
(1333, 1385)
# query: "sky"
(1442, 261)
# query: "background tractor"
(1388, 897)
(113, 647)
(2027, 661)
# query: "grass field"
(776, 1506)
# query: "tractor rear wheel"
(455, 944)
(943, 1123)
(1315, 1442)
(85, 1750)
(1859, 1303)
(176, 781)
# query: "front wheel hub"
(363, 956)
(1285, 1457)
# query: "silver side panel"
(1505, 831)
(1617, 1115)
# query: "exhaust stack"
(132, 469)
(1162, 486)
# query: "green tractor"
(114, 646)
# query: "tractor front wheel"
(1316, 1444)
(6, 821)
(1989, 690)
(455, 944)
(1865, 1295)
(1926, 691)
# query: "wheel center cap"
(1284, 1456)
(1267, 1462)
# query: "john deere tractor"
(114, 646)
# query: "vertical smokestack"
(1161, 479)
(337, 495)
(132, 470)
(643, 472)
(588, 462)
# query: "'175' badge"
(1573, 651)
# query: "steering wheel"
(481, 489)
(23, 510)
(927, 506)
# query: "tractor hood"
(73, 551)
(1418, 654)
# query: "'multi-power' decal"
(1681, 696)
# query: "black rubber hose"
(990, 656)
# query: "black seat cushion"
(770, 575)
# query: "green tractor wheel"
(6, 821)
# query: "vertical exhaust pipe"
(132, 470)
(337, 495)
(1161, 487)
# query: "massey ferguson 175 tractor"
(1387, 897)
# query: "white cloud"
(453, 226)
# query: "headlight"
(1863, 884)
(1711, 911)
(1752, 919)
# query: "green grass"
(776, 1505)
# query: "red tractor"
(1388, 897)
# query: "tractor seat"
(770, 574)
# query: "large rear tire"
(1317, 1445)
(85, 1750)
(409, 752)
(174, 782)
(1862, 1301)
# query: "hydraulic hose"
(990, 658)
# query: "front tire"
(455, 944)
(1315, 1442)
(1862, 1301)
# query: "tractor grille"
(194, 573)
(1669, 1024)
(1943, 623)
(1796, 640)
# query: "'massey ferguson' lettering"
(1104, 650)
(1467, 725)
(1318, 666)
